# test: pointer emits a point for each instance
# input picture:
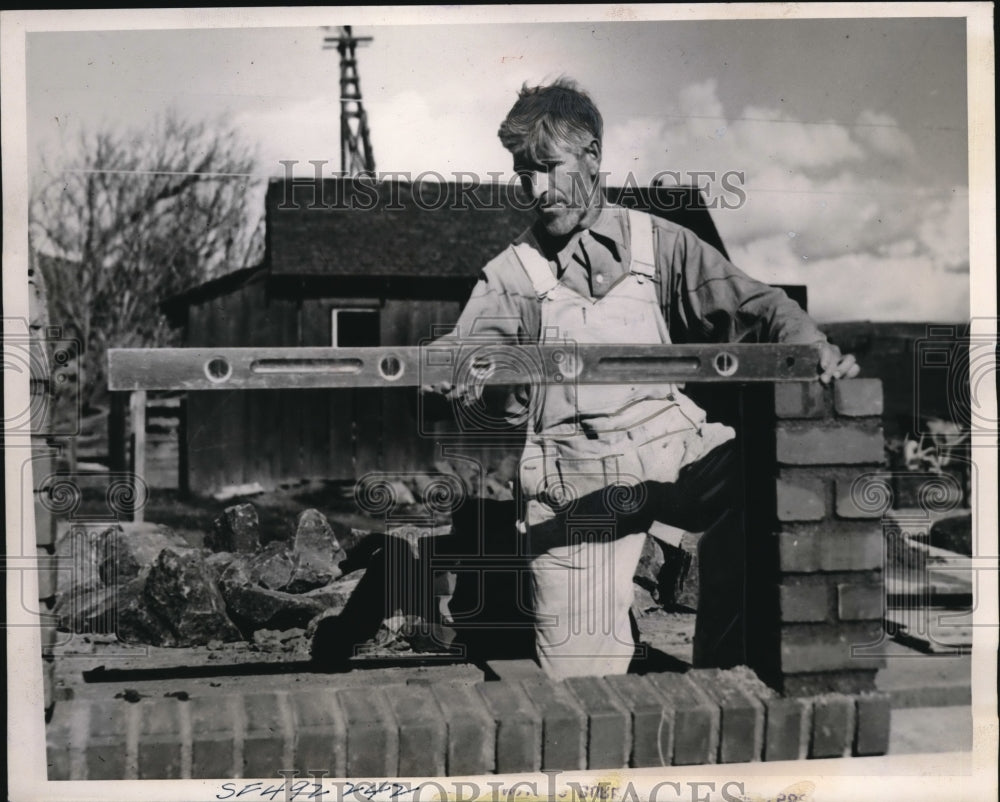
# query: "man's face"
(564, 186)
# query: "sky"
(848, 137)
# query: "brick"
(861, 550)
(873, 713)
(799, 400)
(805, 602)
(864, 496)
(836, 549)
(160, 747)
(422, 731)
(50, 637)
(652, 725)
(832, 726)
(518, 727)
(320, 732)
(45, 525)
(213, 735)
(608, 723)
(787, 729)
(696, 719)
(471, 747)
(372, 734)
(741, 725)
(564, 725)
(860, 602)
(827, 647)
(797, 552)
(62, 746)
(46, 572)
(841, 443)
(268, 744)
(801, 498)
(858, 397)
(105, 749)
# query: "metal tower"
(356, 155)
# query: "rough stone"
(136, 622)
(184, 593)
(317, 553)
(273, 567)
(122, 609)
(78, 557)
(664, 574)
(336, 593)
(237, 529)
(85, 608)
(124, 555)
(647, 572)
(253, 607)
(217, 562)
(679, 575)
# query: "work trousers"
(583, 559)
(577, 557)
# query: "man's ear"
(592, 152)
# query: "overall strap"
(537, 267)
(641, 244)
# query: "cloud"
(838, 207)
(880, 133)
(894, 286)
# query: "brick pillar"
(830, 589)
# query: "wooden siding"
(279, 437)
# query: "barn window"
(355, 328)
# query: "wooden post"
(137, 408)
(118, 443)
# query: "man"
(591, 272)
(602, 463)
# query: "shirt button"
(599, 278)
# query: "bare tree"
(133, 217)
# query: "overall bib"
(598, 443)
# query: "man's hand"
(448, 391)
(834, 365)
(439, 399)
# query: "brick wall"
(828, 440)
(704, 716)
(817, 565)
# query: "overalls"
(598, 442)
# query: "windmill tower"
(356, 155)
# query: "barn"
(350, 262)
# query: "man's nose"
(538, 183)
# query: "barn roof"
(362, 227)
(380, 230)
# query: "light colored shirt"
(704, 297)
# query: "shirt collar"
(607, 230)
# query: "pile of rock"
(148, 585)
